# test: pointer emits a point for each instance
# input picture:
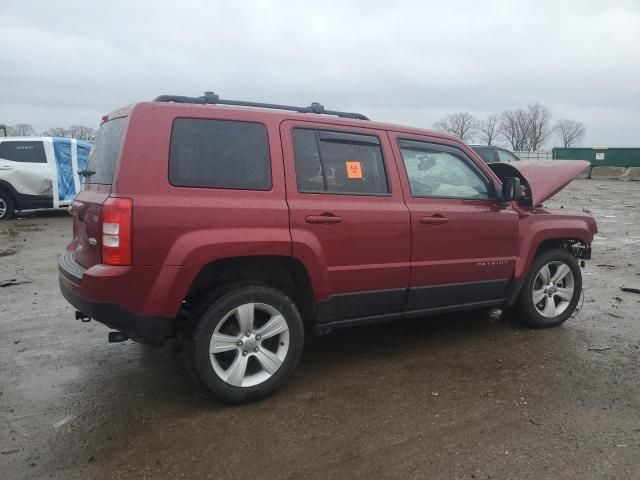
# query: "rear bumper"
(141, 301)
(142, 329)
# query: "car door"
(464, 243)
(348, 219)
(23, 164)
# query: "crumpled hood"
(543, 178)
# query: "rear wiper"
(86, 173)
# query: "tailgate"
(98, 177)
(86, 210)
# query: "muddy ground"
(446, 397)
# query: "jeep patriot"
(237, 226)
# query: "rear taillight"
(116, 231)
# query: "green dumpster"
(601, 156)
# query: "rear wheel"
(552, 289)
(247, 343)
(6, 205)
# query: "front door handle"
(323, 219)
(434, 219)
(6, 167)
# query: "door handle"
(323, 219)
(434, 219)
(5, 167)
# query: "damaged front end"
(541, 180)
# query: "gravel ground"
(442, 397)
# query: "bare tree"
(462, 124)
(55, 132)
(527, 129)
(81, 132)
(570, 132)
(513, 126)
(538, 126)
(23, 130)
(489, 129)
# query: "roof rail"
(210, 98)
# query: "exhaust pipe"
(117, 337)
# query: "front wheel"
(6, 205)
(247, 343)
(551, 290)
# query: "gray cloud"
(408, 62)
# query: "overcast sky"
(70, 62)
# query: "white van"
(39, 172)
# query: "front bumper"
(141, 328)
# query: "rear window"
(23, 151)
(104, 153)
(219, 154)
(487, 154)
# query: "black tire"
(198, 340)
(6, 201)
(527, 311)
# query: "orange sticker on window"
(354, 169)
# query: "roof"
(280, 115)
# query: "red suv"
(237, 226)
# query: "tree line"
(523, 129)
(79, 132)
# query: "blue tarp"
(83, 155)
(68, 176)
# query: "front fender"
(541, 225)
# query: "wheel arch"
(7, 190)
(7, 187)
(284, 273)
(539, 232)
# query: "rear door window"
(31, 151)
(339, 162)
(506, 156)
(104, 153)
(219, 154)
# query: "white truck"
(40, 172)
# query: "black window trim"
(457, 152)
(341, 136)
(269, 159)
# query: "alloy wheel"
(249, 344)
(553, 289)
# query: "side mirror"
(510, 190)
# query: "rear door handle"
(434, 219)
(5, 167)
(323, 219)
